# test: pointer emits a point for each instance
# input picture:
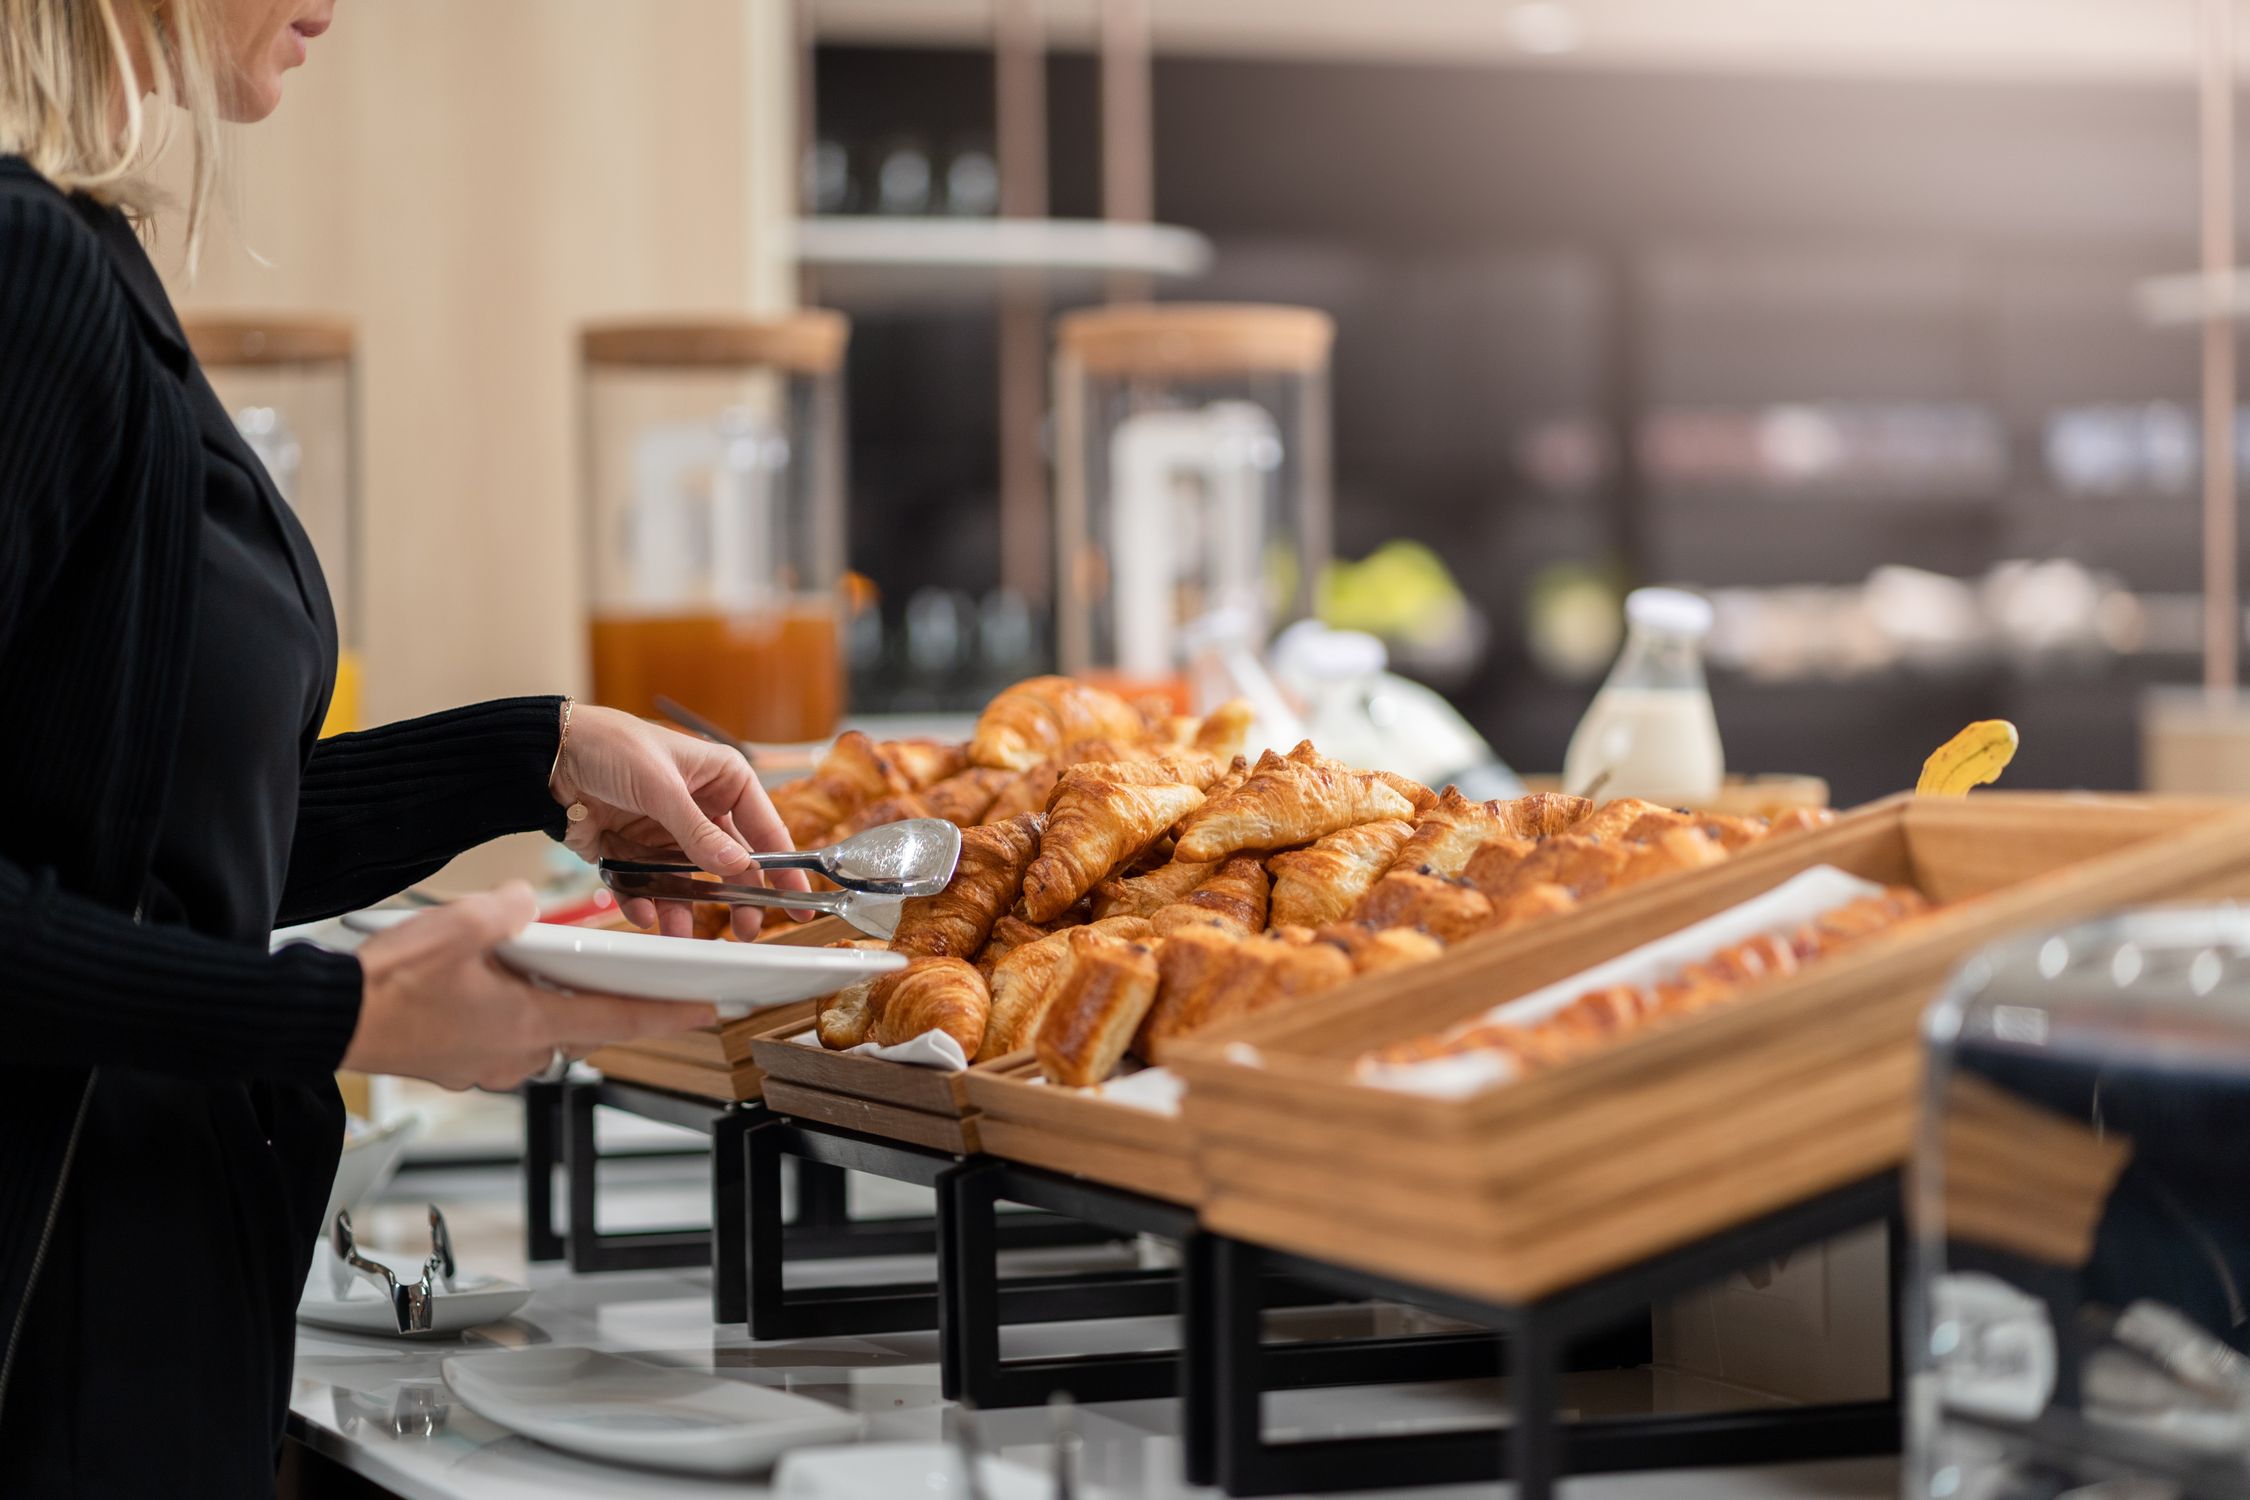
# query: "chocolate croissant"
(1023, 982)
(852, 774)
(1531, 903)
(1145, 895)
(1674, 850)
(1448, 833)
(1029, 722)
(846, 1015)
(1318, 885)
(1492, 869)
(1234, 899)
(1105, 989)
(1540, 814)
(1574, 861)
(955, 922)
(1291, 799)
(1095, 825)
(1374, 949)
(1448, 910)
(932, 994)
(1208, 977)
(1800, 820)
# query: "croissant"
(846, 1015)
(1572, 860)
(1374, 949)
(1413, 791)
(1235, 898)
(1493, 867)
(1187, 767)
(1094, 826)
(1450, 831)
(1315, 886)
(955, 922)
(1531, 903)
(1650, 824)
(1224, 728)
(925, 762)
(1289, 800)
(1029, 722)
(932, 994)
(1675, 849)
(1031, 789)
(1800, 820)
(1540, 814)
(1023, 982)
(1448, 910)
(1611, 819)
(1732, 834)
(1008, 934)
(1106, 987)
(1145, 895)
(965, 797)
(852, 774)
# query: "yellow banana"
(1974, 757)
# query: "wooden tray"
(922, 1106)
(1679, 1131)
(1079, 1132)
(716, 1062)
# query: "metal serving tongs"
(877, 870)
(765, 759)
(413, 1302)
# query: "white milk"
(1658, 743)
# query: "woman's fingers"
(753, 818)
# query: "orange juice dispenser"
(288, 383)
(715, 502)
(1191, 481)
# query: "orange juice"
(772, 675)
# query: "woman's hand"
(437, 1005)
(652, 793)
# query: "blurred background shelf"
(877, 259)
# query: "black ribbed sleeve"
(382, 809)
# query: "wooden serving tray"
(1681, 1130)
(922, 1106)
(716, 1062)
(1079, 1132)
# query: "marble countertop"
(380, 1407)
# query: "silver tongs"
(413, 1302)
(877, 871)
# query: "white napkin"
(1786, 907)
(1158, 1091)
(932, 1049)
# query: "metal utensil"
(877, 916)
(910, 858)
(413, 1303)
(1067, 1444)
(970, 1451)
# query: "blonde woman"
(168, 1123)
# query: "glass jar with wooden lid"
(288, 382)
(1191, 481)
(714, 498)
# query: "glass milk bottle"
(1651, 732)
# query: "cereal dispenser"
(288, 383)
(715, 518)
(1191, 456)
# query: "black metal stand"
(559, 1129)
(974, 1293)
(1229, 1372)
(776, 1312)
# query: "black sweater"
(101, 482)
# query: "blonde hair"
(66, 70)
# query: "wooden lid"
(810, 342)
(237, 339)
(1195, 338)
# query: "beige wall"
(470, 182)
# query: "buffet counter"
(377, 1410)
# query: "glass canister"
(1192, 477)
(714, 495)
(288, 381)
(2081, 1306)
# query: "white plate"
(477, 1300)
(623, 1411)
(738, 977)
